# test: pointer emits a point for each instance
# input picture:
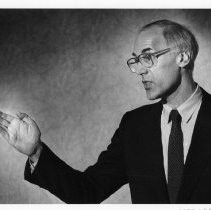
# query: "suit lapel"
(154, 138)
(154, 143)
(199, 151)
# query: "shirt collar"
(187, 108)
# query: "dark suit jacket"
(134, 156)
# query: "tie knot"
(174, 116)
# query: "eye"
(146, 58)
(132, 60)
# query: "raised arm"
(93, 185)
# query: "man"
(162, 150)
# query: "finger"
(4, 127)
(4, 133)
(4, 123)
(6, 116)
(4, 119)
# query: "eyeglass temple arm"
(157, 54)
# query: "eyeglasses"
(148, 60)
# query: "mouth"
(147, 84)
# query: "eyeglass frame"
(156, 54)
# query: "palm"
(21, 132)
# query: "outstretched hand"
(20, 131)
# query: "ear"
(183, 59)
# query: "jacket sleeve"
(93, 185)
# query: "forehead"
(150, 39)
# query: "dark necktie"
(175, 156)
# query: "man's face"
(162, 80)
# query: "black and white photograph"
(108, 106)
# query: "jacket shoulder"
(206, 95)
(144, 111)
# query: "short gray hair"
(180, 35)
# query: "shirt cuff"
(35, 160)
(32, 165)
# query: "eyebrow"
(143, 51)
(146, 49)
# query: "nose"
(141, 69)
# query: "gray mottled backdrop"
(67, 69)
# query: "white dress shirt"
(188, 111)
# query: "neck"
(182, 93)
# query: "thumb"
(25, 118)
(21, 115)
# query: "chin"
(152, 95)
